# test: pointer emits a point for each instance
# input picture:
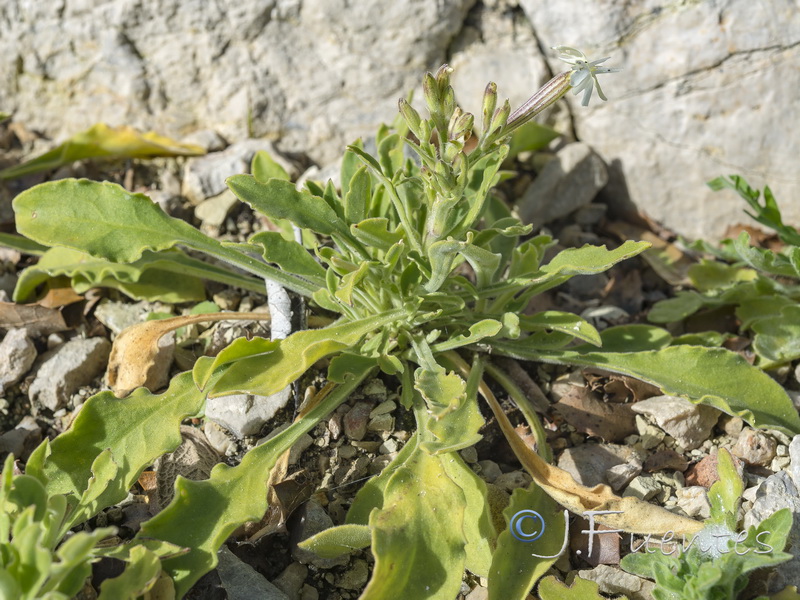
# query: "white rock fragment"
(67, 368)
(693, 500)
(690, 424)
(17, 354)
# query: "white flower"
(584, 76)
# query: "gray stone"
(300, 446)
(245, 414)
(218, 438)
(621, 475)
(17, 354)
(642, 487)
(119, 315)
(21, 440)
(213, 211)
(490, 470)
(355, 577)
(568, 182)
(588, 463)
(755, 447)
(243, 582)
(355, 420)
(309, 520)
(513, 480)
(781, 490)
(612, 580)
(690, 424)
(66, 368)
(291, 581)
(204, 177)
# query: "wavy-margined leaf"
(288, 255)
(442, 391)
(167, 276)
(338, 541)
(711, 276)
(763, 307)
(269, 371)
(203, 514)
(477, 331)
(519, 556)
(102, 141)
(137, 430)
(279, 199)
(588, 260)
(764, 260)
(108, 222)
(417, 537)
(777, 339)
(357, 197)
(551, 588)
(483, 177)
(712, 376)
(137, 578)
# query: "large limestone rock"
(708, 88)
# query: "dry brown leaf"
(629, 514)
(57, 297)
(585, 412)
(37, 320)
(135, 352)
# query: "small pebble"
(755, 447)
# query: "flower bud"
(411, 117)
(500, 117)
(431, 92)
(462, 128)
(489, 104)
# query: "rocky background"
(709, 86)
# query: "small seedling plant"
(424, 275)
(761, 285)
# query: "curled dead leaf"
(136, 350)
(628, 514)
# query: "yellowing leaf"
(102, 141)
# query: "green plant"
(38, 557)
(428, 273)
(719, 561)
(762, 285)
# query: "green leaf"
(517, 557)
(357, 198)
(777, 339)
(551, 588)
(137, 578)
(683, 305)
(709, 276)
(479, 530)
(477, 332)
(269, 371)
(442, 255)
(711, 376)
(483, 177)
(203, 514)
(564, 322)
(350, 280)
(288, 255)
(530, 137)
(443, 392)
(152, 277)
(418, 539)
(589, 260)
(725, 494)
(102, 141)
(375, 232)
(755, 309)
(265, 168)
(102, 219)
(21, 244)
(338, 541)
(350, 164)
(279, 199)
(372, 493)
(137, 430)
